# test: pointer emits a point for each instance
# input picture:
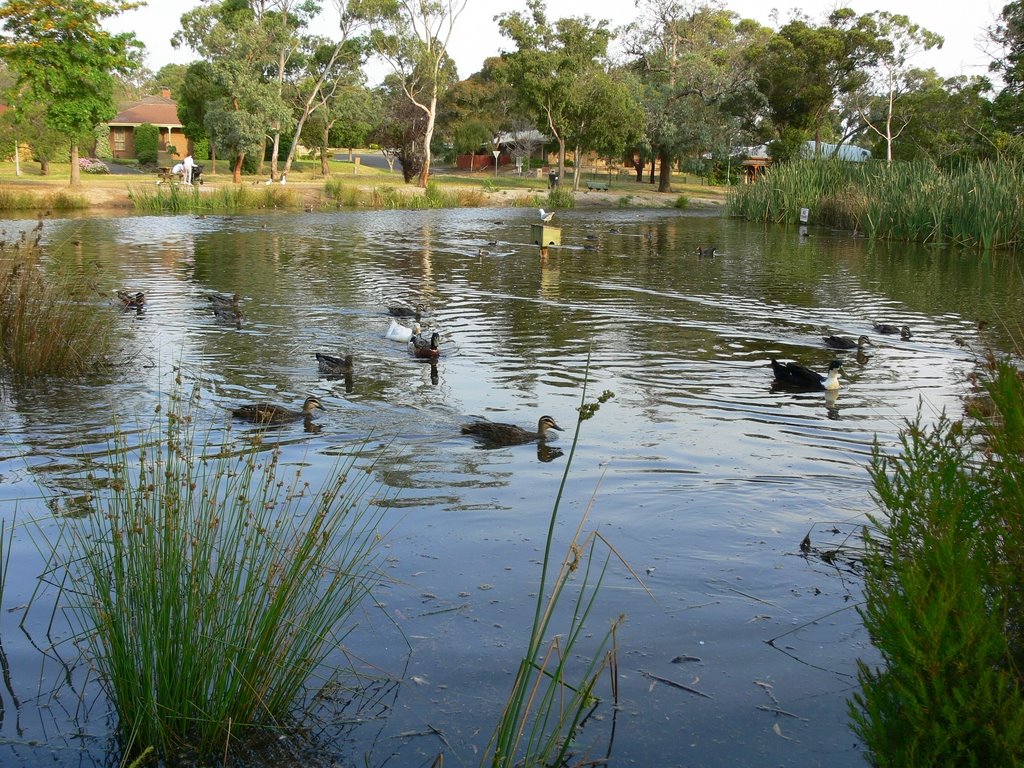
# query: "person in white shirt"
(189, 164)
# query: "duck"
(546, 216)
(132, 299)
(229, 312)
(706, 253)
(333, 364)
(271, 413)
(796, 375)
(398, 332)
(509, 434)
(845, 342)
(421, 347)
(220, 300)
(902, 330)
(399, 310)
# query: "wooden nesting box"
(543, 235)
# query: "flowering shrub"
(92, 165)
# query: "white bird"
(545, 216)
(398, 332)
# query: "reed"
(49, 325)
(972, 205)
(561, 197)
(174, 198)
(943, 592)
(550, 698)
(16, 200)
(212, 586)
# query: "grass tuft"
(212, 587)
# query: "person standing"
(188, 164)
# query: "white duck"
(398, 332)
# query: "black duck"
(902, 330)
(333, 364)
(845, 342)
(509, 434)
(796, 375)
(271, 413)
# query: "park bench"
(164, 174)
(591, 185)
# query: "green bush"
(561, 197)
(943, 593)
(147, 144)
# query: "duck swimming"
(219, 300)
(398, 332)
(270, 413)
(402, 311)
(333, 364)
(132, 299)
(426, 349)
(796, 375)
(509, 434)
(902, 330)
(845, 342)
(706, 253)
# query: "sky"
(476, 36)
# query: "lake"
(703, 475)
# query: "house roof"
(157, 110)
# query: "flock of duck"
(228, 308)
(795, 375)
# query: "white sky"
(476, 36)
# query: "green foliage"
(201, 150)
(943, 593)
(174, 198)
(193, 648)
(561, 197)
(682, 202)
(972, 205)
(147, 143)
(48, 325)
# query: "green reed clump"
(973, 205)
(212, 587)
(15, 200)
(561, 197)
(176, 198)
(943, 593)
(344, 195)
(49, 324)
(554, 691)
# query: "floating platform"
(543, 235)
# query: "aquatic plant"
(48, 323)
(561, 197)
(550, 699)
(176, 198)
(974, 204)
(211, 585)
(943, 592)
(17, 200)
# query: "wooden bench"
(603, 185)
(164, 174)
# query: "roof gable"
(158, 110)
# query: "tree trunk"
(213, 157)
(665, 176)
(273, 155)
(325, 136)
(638, 166)
(44, 167)
(76, 172)
(236, 175)
(263, 154)
(427, 137)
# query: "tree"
(898, 42)
(169, 76)
(1008, 34)
(64, 59)
(198, 90)
(692, 60)
(413, 36)
(549, 63)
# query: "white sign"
(804, 213)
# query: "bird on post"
(546, 216)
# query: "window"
(117, 139)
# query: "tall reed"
(974, 205)
(12, 199)
(212, 587)
(549, 700)
(174, 198)
(49, 324)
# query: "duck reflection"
(548, 453)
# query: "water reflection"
(709, 475)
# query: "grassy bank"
(976, 205)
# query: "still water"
(703, 476)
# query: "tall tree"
(413, 37)
(549, 63)
(64, 59)
(1008, 34)
(692, 60)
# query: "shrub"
(147, 143)
(561, 197)
(92, 165)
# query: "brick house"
(160, 111)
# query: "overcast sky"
(476, 37)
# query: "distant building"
(756, 159)
(839, 151)
(160, 111)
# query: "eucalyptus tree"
(240, 51)
(199, 89)
(412, 36)
(64, 60)
(1008, 35)
(346, 117)
(804, 69)
(692, 59)
(548, 65)
(898, 42)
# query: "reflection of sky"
(710, 476)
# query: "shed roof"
(157, 110)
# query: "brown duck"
(509, 434)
